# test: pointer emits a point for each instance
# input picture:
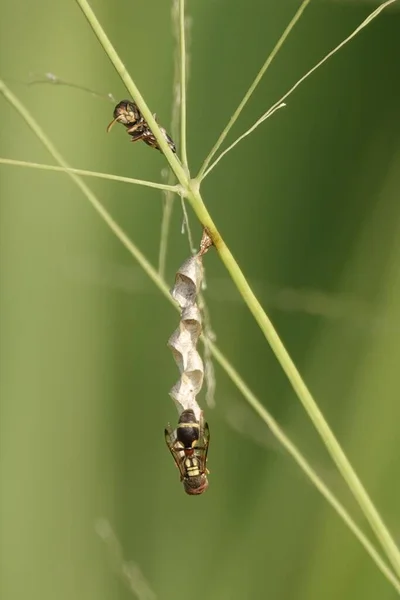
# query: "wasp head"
(127, 113)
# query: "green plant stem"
(176, 120)
(251, 89)
(165, 225)
(22, 163)
(266, 116)
(183, 82)
(220, 358)
(193, 195)
(338, 456)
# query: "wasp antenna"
(111, 124)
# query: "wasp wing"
(204, 441)
(174, 451)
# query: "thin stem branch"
(186, 227)
(165, 225)
(175, 128)
(228, 368)
(22, 163)
(183, 82)
(245, 134)
(279, 103)
(52, 79)
(251, 89)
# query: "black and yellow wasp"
(188, 445)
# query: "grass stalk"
(193, 195)
(218, 355)
(182, 45)
(165, 226)
(303, 393)
(176, 120)
(31, 165)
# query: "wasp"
(128, 113)
(189, 447)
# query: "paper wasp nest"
(184, 340)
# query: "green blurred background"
(309, 205)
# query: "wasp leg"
(168, 432)
(138, 137)
(131, 130)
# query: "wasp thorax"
(188, 429)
